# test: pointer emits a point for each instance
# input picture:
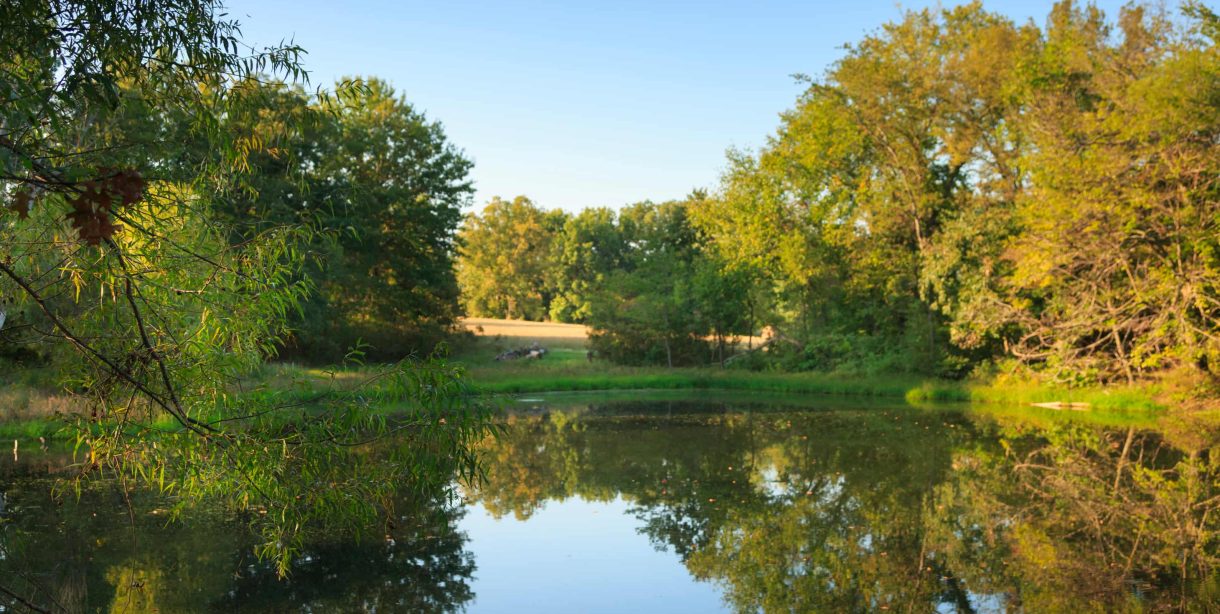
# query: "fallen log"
(534, 351)
(1061, 405)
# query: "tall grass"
(567, 374)
(558, 381)
(33, 393)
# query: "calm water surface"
(720, 504)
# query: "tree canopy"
(959, 187)
(381, 188)
(129, 131)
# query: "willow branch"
(146, 342)
(91, 352)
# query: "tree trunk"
(1122, 459)
(1122, 354)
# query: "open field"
(521, 332)
(567, 367)
(554, 333)
(32, 406)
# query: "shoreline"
(909, 389)
(572, 377)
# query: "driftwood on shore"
(1062, 405)
(534, 351)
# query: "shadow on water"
(781, 508)
(96, 553)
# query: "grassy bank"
(567, 368)
(910, 389)
(32, 407)
(1117, 398)
(573, 373)
(601, 377)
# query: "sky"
(578, 104)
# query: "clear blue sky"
(579, 104)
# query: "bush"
(627, 346)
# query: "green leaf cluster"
(959, 187)
(170, 218)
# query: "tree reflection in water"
(1073, 515)
(75, 555)
(886, 509)
(785, 510)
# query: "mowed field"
(519, 333)
(552, 335)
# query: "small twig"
(89, 351)
(23, 601)
(181, 414)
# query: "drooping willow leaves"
(116, 269)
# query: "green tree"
(1115, 270)
(383, 189)
(588, 249)
(114, 258)
(724, 301)
(505, 259)
(668, 297)
(957, 187)
(646, 315)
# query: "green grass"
(567, 369)
(31, 430)
(1126, 398)
(909, 389)
(621, 378)
(31, 408)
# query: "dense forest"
(957, 190)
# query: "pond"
(724, 503)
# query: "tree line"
(643, 276)
(957, 189)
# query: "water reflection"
(1070, 515)
(874, 509)
(96, 553)
(778, 508)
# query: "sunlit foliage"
(118, 268)
(959, 187)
